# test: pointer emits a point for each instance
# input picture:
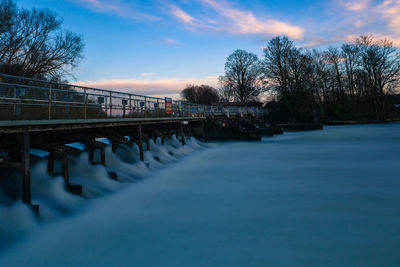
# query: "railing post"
(110, 105)
(130, 104)
(50, 100)
(85, 105)
(140, 142)
(106, 105)
(15, 99)
(157, 107)
(145, 107)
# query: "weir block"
(231, 129)
(61, 153)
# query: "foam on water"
(49, 191)
(94, 179)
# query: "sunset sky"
(157, 47)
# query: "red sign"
(168, 105)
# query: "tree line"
(353, 81)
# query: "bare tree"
(350, 55)
(276, 63)
(380, 62)
(225, 93)
(202, 94)
(243, 76)
(33, 44)
(291, 74)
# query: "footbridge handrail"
(32, 99)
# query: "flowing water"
(322, 198)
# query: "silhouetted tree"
(380, 62)
(291, 75)
(225, 93)
(202, 94)
(243, 77)
(353, 81)
(32, 43)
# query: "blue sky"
(156, 47)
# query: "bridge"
(49, 116)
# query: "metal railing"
(30, 99)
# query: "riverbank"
(351, 122)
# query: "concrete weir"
(55, 137)
(17, 138)
(49, 116)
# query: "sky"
(157, 47)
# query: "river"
(320, 198)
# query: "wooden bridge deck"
(23, 126)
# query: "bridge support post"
(140, 142)
(181, 133)
(203, 130)
(114, 146)
(50, 164)
(75, 189)
(146, 139)
(91, 155)
(65, 172)
(157, 134)
(23, 140)
(26, 175)
(72, 188)
(103, 155)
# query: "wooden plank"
(7, 127)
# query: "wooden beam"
(140, 142)
(23, 140)
(181, 134)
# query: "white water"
(56, 203)
(324, 198)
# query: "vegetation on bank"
(356, 81)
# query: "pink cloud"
(182, 15)
(149, 87)
(391, 11)
(117, 7)
(245, 22)
(237, 22)
(357, 5)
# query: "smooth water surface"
(322, 198)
